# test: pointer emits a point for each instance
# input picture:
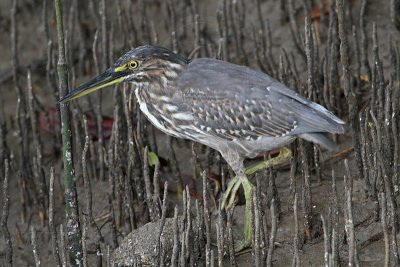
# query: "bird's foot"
(229, 200)
(284, 155)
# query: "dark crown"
(151, 51)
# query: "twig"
(220, 239)
(388, 186)
(357, 55)
(207, 220)
(326, 241)
(3, 145)
(333, 58)
(292, 173)
(274, 222)
(223, 28)
(156, 191)
(144, 22)
(269, 45)
(295, 30)
(378, 71)
(14, 50)
(96, 63)
(349, 223)
(45, 22)
(231, 245)
(365, 67)
(104, 33)
(382, 200)
(98, 107)
(4, 215)
(188, 229)
(147, 182)
(133, 147)
(309, 49)
(348, 90)
(173, 25)
(273, 191)
(72, 216)
(162, 222)
(34, 247)
(335, 223)
(21, 119)
(37, 160)
(394, 222)
(84, 244)
(183, 250)
(52, 228)
(108, 260)
(175, 166)
(395, 13)
(199, 233)
(182, 226)
(89, 211)
(257, 226)
(175, 249)
(296, 258)
(63, 246)
(113, 226)
(306, 194)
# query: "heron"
(234, 109)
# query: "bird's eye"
(133, 64)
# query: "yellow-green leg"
(241, 180)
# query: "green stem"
(71, 206)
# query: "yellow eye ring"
(133, 64)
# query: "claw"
(232, 183)
(230, 193)
(233, 193)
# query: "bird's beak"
(107, 78)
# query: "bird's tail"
(318, 119)
(320, 139)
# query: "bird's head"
(144, 64)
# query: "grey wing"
(236, 102)
(239, 120)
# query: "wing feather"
(236, 102)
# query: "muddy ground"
(115, 203)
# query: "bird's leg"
(247, 227)
(284, 155)
(229, 199)
(241, 180)
(236, 163)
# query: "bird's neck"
(162, 79)
(154, 98)
(158, 83)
